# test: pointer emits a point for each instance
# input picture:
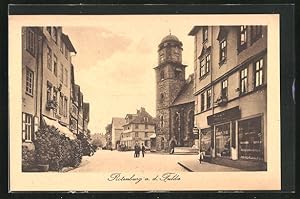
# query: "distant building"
(174, 97)
(116, 130)
(231, 91)
(138, 128)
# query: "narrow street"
(105, 160)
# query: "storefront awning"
(153, 135)
(62, 130)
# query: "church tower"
(170, 78)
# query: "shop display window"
(223, 140)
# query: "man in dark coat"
(136, 150)
(143, 149)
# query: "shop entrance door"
(223, 140)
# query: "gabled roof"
(68, 43)
(204, 50)
(194, 30)
(139, 117)
(118, 122)
(186, 94)
(222, 33)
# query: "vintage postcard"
(144, 102)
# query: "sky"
(115, 60)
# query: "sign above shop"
(224, 116)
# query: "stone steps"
(185, 150)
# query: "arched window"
(162, 75)
(161, 121)
(162, 97)
(190, 121)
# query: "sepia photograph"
(143, 100)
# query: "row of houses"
(49, 92)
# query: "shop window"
(251, 139)
(259, 72)
(29, 82)
(223, 140)
(27, 127)
(206, 140)
(243, 81)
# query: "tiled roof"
(186, 94)
(118, 122)
(139, 117)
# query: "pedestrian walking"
(136, 150)
(143, 149)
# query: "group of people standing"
(138, 149)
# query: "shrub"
(56, 149)
(28, 157)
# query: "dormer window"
(242, 43)
(55, 34)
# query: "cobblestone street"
(111, 161)
(105, 160)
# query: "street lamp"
(197, 132)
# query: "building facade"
(174, 103)
(230, 69)
(32, 39)
(117, 124)
(46, 66)
(48, 92)
(138, 128)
